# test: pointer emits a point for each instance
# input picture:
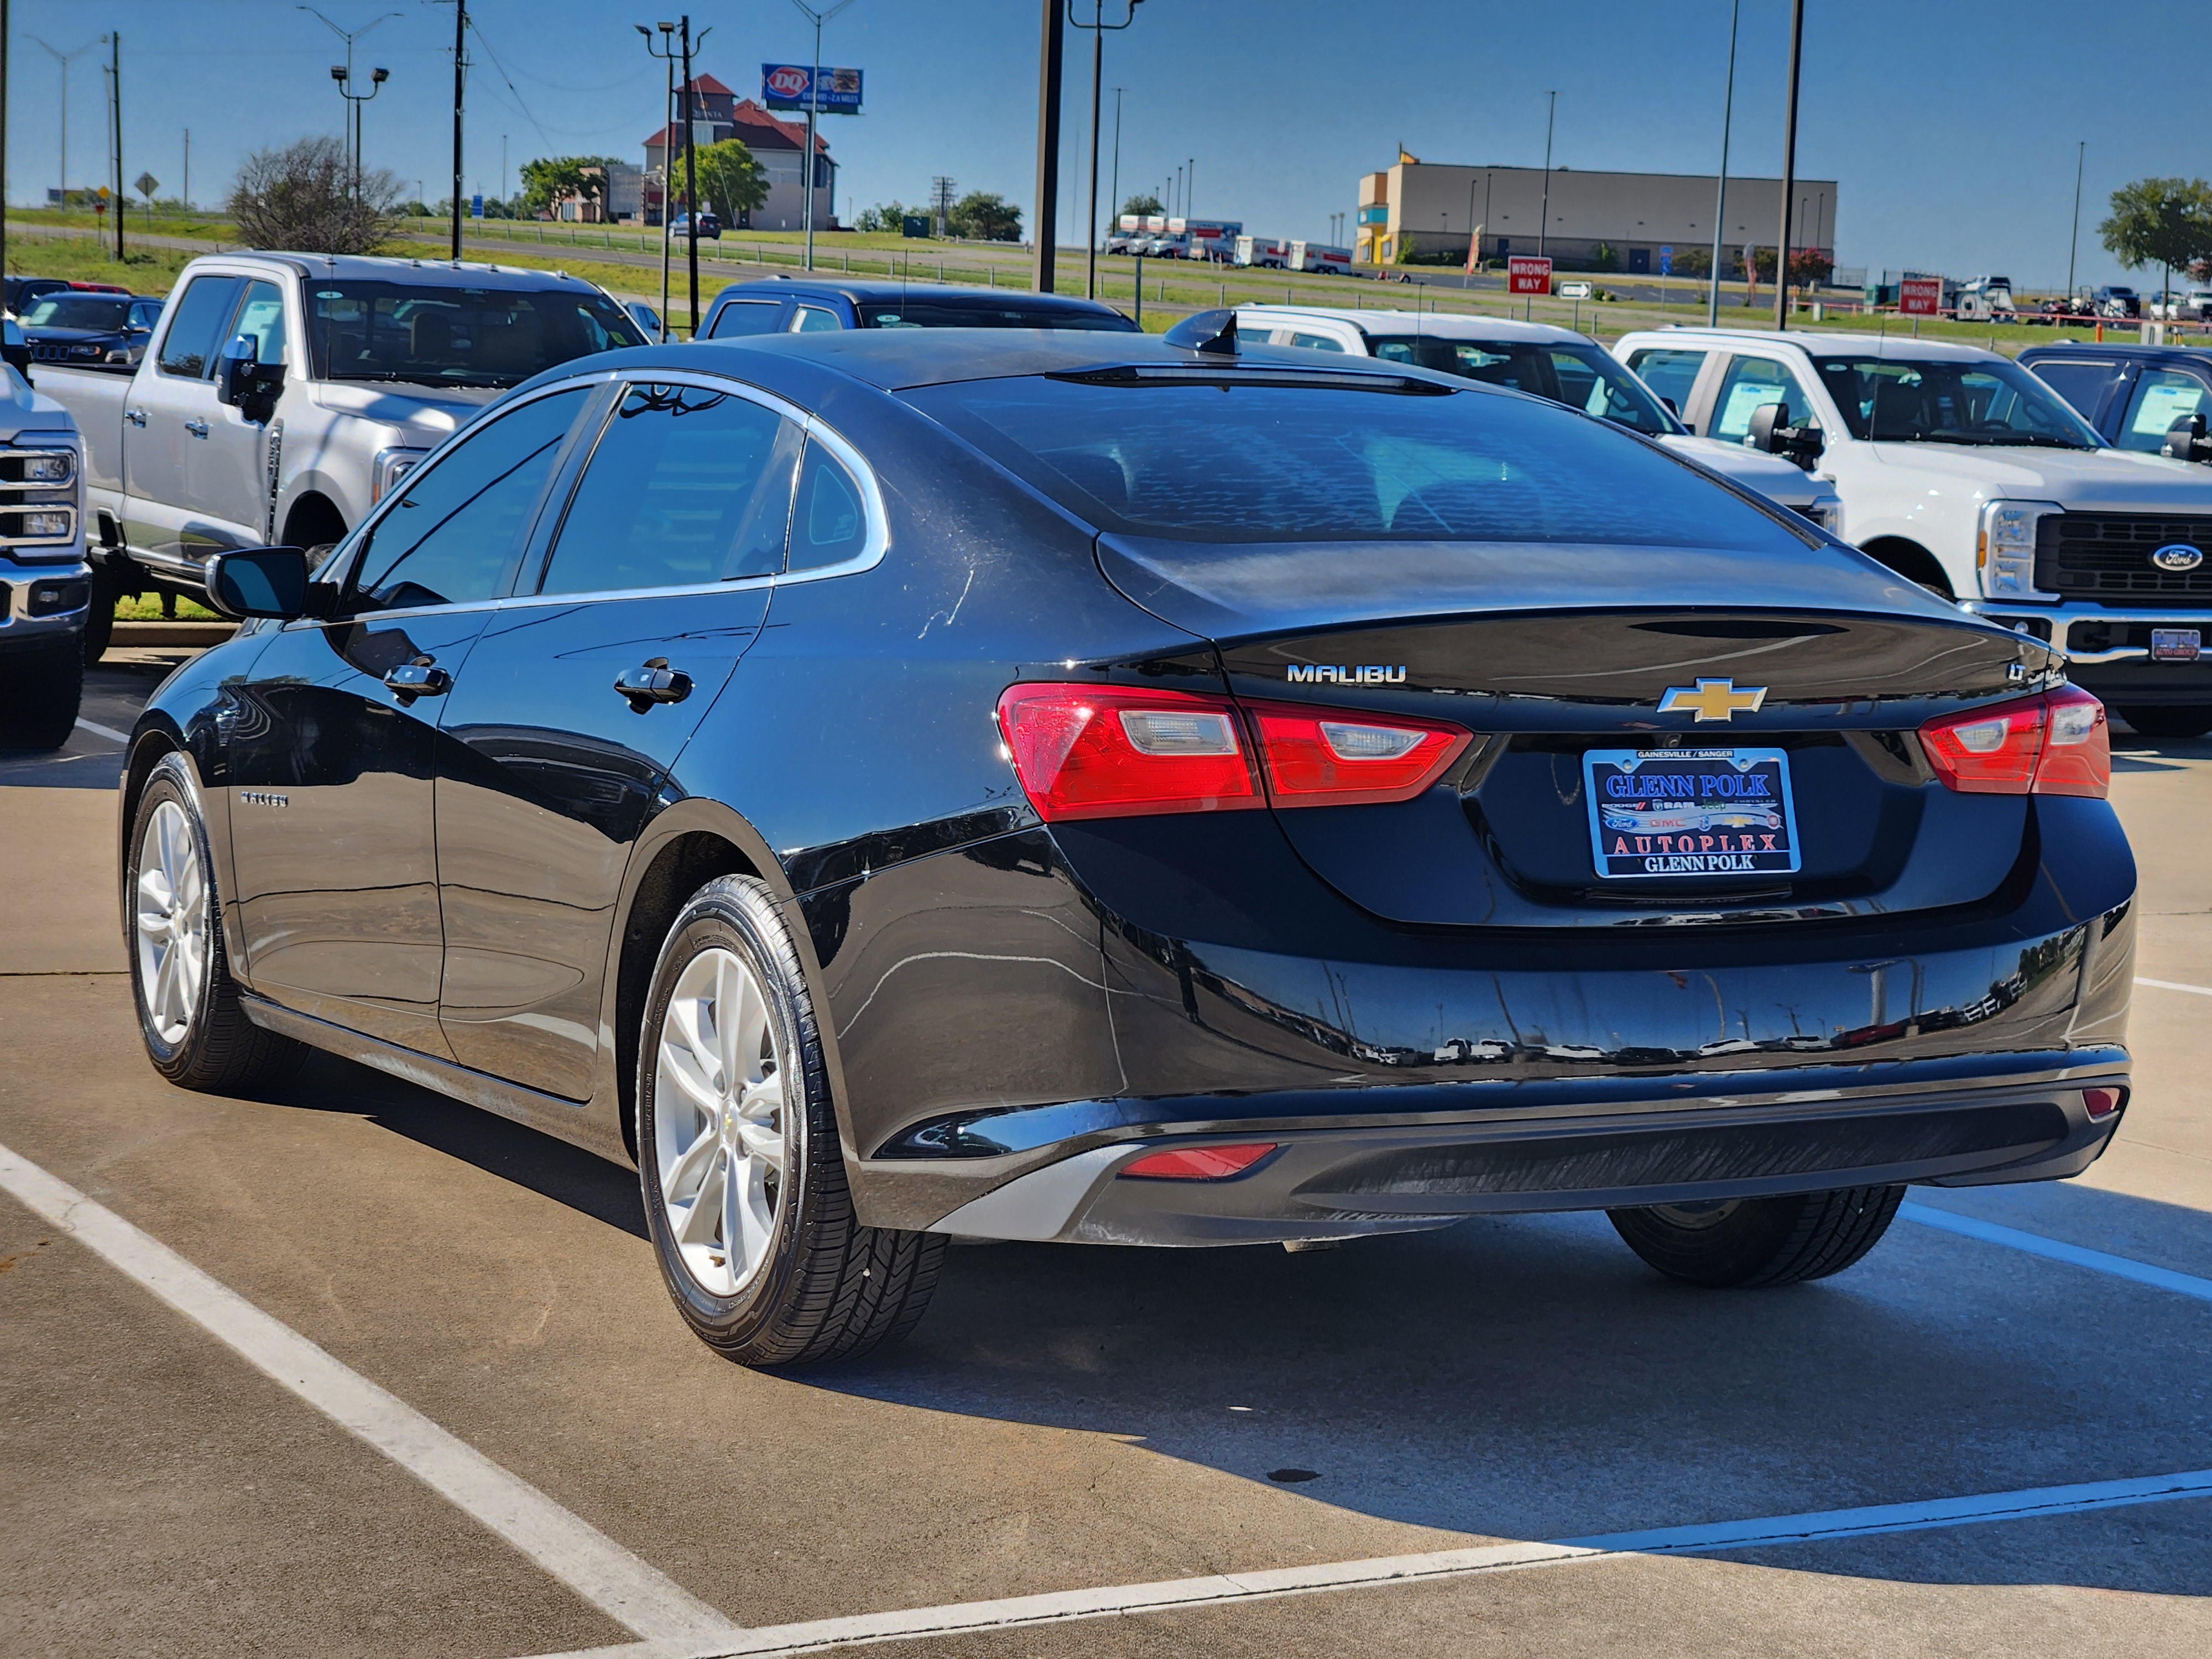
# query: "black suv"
(2132, 394)
(793, 305)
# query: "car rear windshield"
(1580, 376)
(87, 311)
(458, 335)
(1973, 401)
(933, 313)
(1234, 459)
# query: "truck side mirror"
(241, 379)
(1799, 444)
(259, 581)
(2185, 441)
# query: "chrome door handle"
(197, 428)
(136, 416)
(419, 678)
(656, 682)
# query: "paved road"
(1066, 1418)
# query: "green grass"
(143, 270)
(147, 607)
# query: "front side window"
(431, 335)
(686, 486)
(1751, 384)
(2082, 385)
(189, 348)
(261, 320)
(456, 528)
(1670, 372)
(741, 317)
(1974, 401)
(2162, 396)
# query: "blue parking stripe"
(1904, 1518)
(2119, 1267)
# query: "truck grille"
(2083, 556)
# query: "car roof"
(413, 272)
(1857, 345)
(1417, 322)
(2134, 354)
(872, 292)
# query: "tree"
(2159, 222)
(889, 217)
(731, 183)
(553, 179)
(302, 198)
(985, 215)
(1144, 203)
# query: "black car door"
(333, 749)
(643, 594)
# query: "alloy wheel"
(718, 1122)
(173, 922)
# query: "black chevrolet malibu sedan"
(901, 785)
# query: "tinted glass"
(437, 335)
(261, 320)
(1669, 373)
(2082, 385)
(1232, 459)
(829, 525)
(1977, 401)
(986, 312)
(458, 523)
(685, 486)
(1581, 377)
(745, 316)
(2162, 396)
(87, 311)
(190, 345)
(1317, 342)
(1751, 384)
(812, 319)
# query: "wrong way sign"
(1526, 274)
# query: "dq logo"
(788, 81)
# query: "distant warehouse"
(1418, 213)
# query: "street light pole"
(813, 109)
(1098, 27)
(460, 84)
(1719, 187)
(691, 170)
(1544, 212)
(1113, 191)
(2073, 245)
(667, 53)
(1788, 168)
(353, 123)
(1050, 50)
(62, 60)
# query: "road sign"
(1526, 274)
(476, 205)
(1920, 296)
(1574, 290)
(790, 85)
(1665, 262)
(103, 192)
(146, 183)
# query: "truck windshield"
(85, 311)
(1581, 377)
(459, 336)
(1980, 401)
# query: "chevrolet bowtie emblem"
(1713, 699)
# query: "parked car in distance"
(2193, 304)
(22, 290)
(710, 228)
(1968, 474)
(1546, 361)
(1986, 299)
(2133, 396)
(648, 320)
(284, 395)
(45, 585)
(803, 305)
(106, 332)
(2113, 300)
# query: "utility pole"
(1544, 212)
(5, 23)
(667, 53)
(1049, 52)
(691, 177)
(1190, 186)
(115, 87)
(1788, 167)
(188, 163)
(2073, 245)
(460, 87)
(1720, 190)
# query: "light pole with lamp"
(666, 51)
(1098, 27)
(1113, 191)
(62, 60)
(1544, 212)
(344, 78)
(1788, 168)
(813, 108)
(1720, 189)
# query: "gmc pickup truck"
(1962, 470)
(282, 394)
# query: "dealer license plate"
(2176, 644)
(1689, 812)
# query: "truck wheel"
(1760, 1241)
(2184, 722)
(100, 620)
(738, 1153)
(39, 694)
(195, 1032)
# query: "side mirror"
(2185, 441)
(259, 581)
(242, 378)
(1799, 444)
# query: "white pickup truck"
(1959, 468)
(282, 394)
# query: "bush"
(301, 197)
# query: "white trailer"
(1320, 255)
(1263, 252)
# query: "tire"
(100, 620)
(1760, 1241)
(40, 692)
(807, 1282)
(2187, 722)
(195, 1031)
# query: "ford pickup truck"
(1962, 470)
(45, 583)
(282, 394)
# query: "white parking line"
(100, 731)
(2119, 1267)
(2176, 985)
(586, 1559)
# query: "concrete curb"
(172, 633)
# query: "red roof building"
(776, 143)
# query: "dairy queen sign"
(792, 86)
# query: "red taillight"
(1198, 1163)
(2103, 1102)
(1105, 751)
(1346, 756)
(2052, 745)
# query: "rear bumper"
(1333, 1182)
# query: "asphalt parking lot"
(355, 1369)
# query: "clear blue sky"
(1951, 129)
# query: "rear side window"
(686, 486)
(812, 319)
(829, 525)
(2082, 385)
(1234, 459)
(983, 312)
(1669, 371)
(190, 346)
(742, 316)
